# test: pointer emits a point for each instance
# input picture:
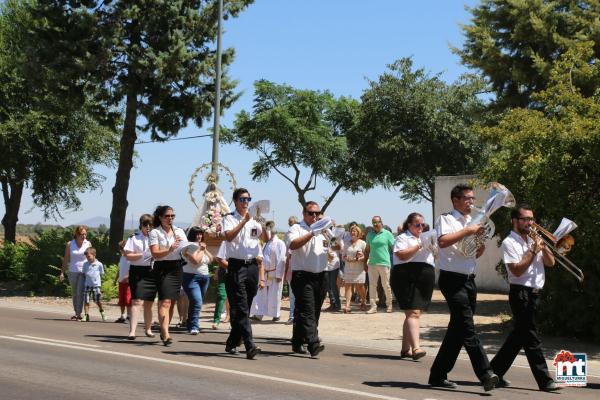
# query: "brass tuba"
(558, 247)
(499, 197)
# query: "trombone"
(559, 248)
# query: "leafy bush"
(12, 261)
(110, 289)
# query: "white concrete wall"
(487, 278)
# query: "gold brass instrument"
(559, 248)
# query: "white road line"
(57, 341)
(214, 369)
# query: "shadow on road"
(378, 357)
(415, 385)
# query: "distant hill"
(95, 222)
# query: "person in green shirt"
(380, 243)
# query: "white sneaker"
(194, 332)
(372, 310)
(389, 309)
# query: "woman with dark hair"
(74, 259)
(195, 277)
(142, 282)
(164, 240)
(412, 279)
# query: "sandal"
(406, 354)
(347, 310)
(418, 353)
(363, 307)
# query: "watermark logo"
(571, 368)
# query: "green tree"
(298, 132)
(151, 57)
(549, 158)
(49, 143)
(414, 127)
(514, 43)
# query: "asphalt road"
(43, 355)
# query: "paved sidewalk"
(380, 331)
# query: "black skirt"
(169, 276)
(412, 284)
(142, 282)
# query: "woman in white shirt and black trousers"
(164, 240)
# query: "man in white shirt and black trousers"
(245, 273)
(457, 284)
(309, 250)
(524, 258)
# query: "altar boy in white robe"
(268, 300)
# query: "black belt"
(523, 287)
(457, 274)
(140, 266)
(243, 262)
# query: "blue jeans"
(195, 286)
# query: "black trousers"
(309, 289)
(241, 285)
(524, 302)
(460, 293)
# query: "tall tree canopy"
(49, 142)
(152, 58)
(549, 158)
(414, 127)
(514, 43)
(294, 130)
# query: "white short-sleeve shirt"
(222, 252)
(406, 240)
(450, 259)
(514, 249)
(138, 243)
(246, 244)
(123, 269)
(77, 255)
(164, 241)
(312, 257)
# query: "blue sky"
(336, 45)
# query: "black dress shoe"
(503, 383)
(445, 383)
(167, 342)
(130, 337)
(252, 352)
(300, 349)
(315, 349)
(550, 387)
(489, 381)
(232, 350)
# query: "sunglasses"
(419, 225)
(375, 222)
(526, 219)
(169, 216)
(313, 213)
(469, 198)
(245, 199)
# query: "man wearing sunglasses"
(525, 259)
(457, 284)
(309, 250)
(244, 257)
(380, 243)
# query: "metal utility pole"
(215, 149)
